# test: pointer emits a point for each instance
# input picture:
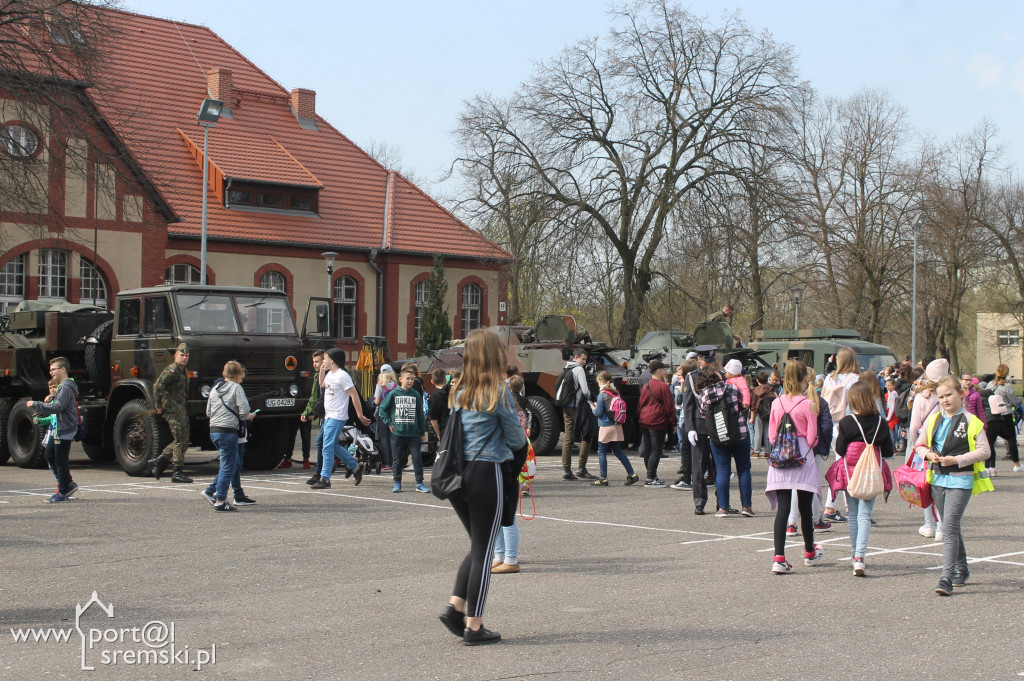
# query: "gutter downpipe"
(374, 252)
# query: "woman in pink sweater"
(803, 480)
(734, 376)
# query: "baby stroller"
(361, 446)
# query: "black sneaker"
(313, 480)
(224, 506)
(358, 473)
(834, 517)
(243, 500)
(74, 488)
(632, 479)
(322, 484)
(945, 587)
(960, 577)
(453, 620)
(568, 476)
(699, 510)
(209, 496)
(348, 472)
(479, 637)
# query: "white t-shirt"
(336, 397)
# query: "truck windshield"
(875, 362)
(206, 313)
(264, 314)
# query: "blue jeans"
(236, 478)
(859, 522)
(506, 546)
(723, 466)
(227, 443)
(330, 431)
(602, 457)
(401, 447)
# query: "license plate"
(281, 402)
(631, 380)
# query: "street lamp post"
(329, 256)
(209, 114)
(918, 224)
(797, 290)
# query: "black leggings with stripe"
(479, 508)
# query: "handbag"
(866, 481)
(450, 465)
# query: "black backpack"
(723, 424)
(764, 409)
(903, 406)
(565, 388)
(985, 394)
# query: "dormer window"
(272, 198)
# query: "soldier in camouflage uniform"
(170, 395)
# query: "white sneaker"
(858, 567)
(782, 568)
(993, 473)
(926, 531)
(819, 553)
(938, 535)
(1016, 468)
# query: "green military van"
(813, 347)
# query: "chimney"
(218, 82)
(304, 103)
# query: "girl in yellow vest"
(951, 440)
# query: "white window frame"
(53, 274)
(1008, 338)
(90, 277)
(420, 298)
(472, 302)
(274, 280)
(12, 283)
(346, 295)
(188, 274)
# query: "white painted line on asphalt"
(105, 491)
(756, 535)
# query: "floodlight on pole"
(797, 290)
(209, 114)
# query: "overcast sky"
(398, 72)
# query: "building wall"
(990, 353)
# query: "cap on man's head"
(706, 352)
(655, 365)
(386, 368)
(182, 348)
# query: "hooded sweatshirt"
(64, 406)
(403, 409)
(227, 396)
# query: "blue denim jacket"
(602, 411)
(498, 432)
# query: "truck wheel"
(97, 452)
(97, 357)
(268, 444)
(139, 435)
(5, 410)
(25, 438)
(545, 425)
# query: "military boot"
(159, 465)
(179, 475)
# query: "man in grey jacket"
(65, 406)
(571, 412)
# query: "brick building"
(284, 186)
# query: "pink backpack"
(617, 407)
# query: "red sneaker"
(287, 463)
(306, 463)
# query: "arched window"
(422, 294)
(345, 292)
(471, 297)
(94, 289)
(53, 274)
(273, 280)
(12, 283)
(182, 273)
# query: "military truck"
(813, 347)
(671, 347)
(540, 353)
(116, 357)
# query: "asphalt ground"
(616, 583)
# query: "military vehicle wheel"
(97, 452)
(25, 438)
(139, 435)
(268, 444)
(97, 357)
(545, 425)
(5, 410)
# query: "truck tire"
(25, 438)
(546, 424)
(5, 411)
(139, 435)
(97, 357)
(268, 444)
(97, 453)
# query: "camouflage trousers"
(178, 424)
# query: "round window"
(18, 140)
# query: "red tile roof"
(150, 86)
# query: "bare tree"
(619, 131)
